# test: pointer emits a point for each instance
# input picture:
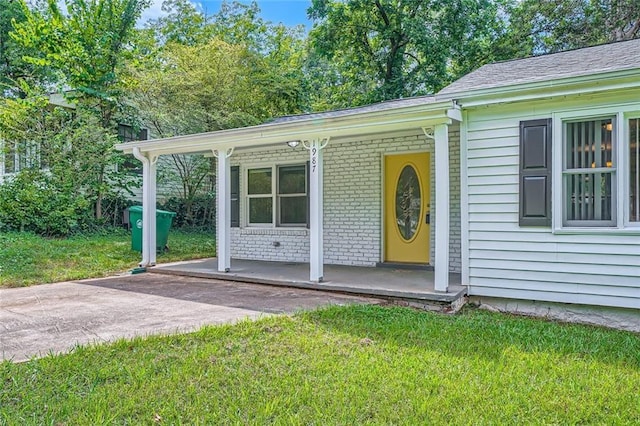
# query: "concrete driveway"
(53, 318)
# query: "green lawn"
(27, 259)
(354, 365)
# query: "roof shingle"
(380, 106)
(573, 63)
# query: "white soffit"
(347, 125)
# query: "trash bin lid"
(164, 212)
(138, 209)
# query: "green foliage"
(206, 74)
(344, 366)
(77, 154)
(194, 201)
(192, 89)
(198, 212)
(391, 49)
(86, 46)
(31, 202)
(85, 49)
(551, 26)
(232, 70)
(182, 24)
(12, 65)
(28, 259)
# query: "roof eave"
(556, 87)
(414, 116)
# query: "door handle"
(427, 218)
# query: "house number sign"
(314, 159)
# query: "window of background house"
(292, 195)
(260, 195)
(589, 172)
(20, 156)
(634, 170)
(126, 134)
(10, 158)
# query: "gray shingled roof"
(573, 63)
(381, 106)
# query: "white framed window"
(18, 156)
(277, 196)
(260, 196)
(291, 196)
(589, 172)
(596, 170)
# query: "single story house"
(523, 176)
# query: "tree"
(182, 24)
(12, 65)
(543, 26)
(388, 49)
(208, 87)
(86, 49)
(208, 73)
(73, 148)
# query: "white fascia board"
(560, 87)
(361, 123)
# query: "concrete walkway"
(53, 318)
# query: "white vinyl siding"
(593, 266)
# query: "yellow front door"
(407, 196)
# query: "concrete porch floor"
(408, 284)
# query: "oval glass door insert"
(408, 202)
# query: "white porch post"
(148, 207)
(223, 199)
(316, 254)
(441, 267)
(151, 209)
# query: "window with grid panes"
(589, 172)
(279, 194)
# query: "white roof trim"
(563, 86)
(358, 123)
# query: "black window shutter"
(535, 173)
(235, 197)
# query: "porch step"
(449, 302)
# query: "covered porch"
(314, 132)
(398, 283)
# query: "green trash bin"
(163, 224)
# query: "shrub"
(198, 212)
(30, 202)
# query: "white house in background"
(523, 176)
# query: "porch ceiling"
(356, 122)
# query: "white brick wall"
(352, 202)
